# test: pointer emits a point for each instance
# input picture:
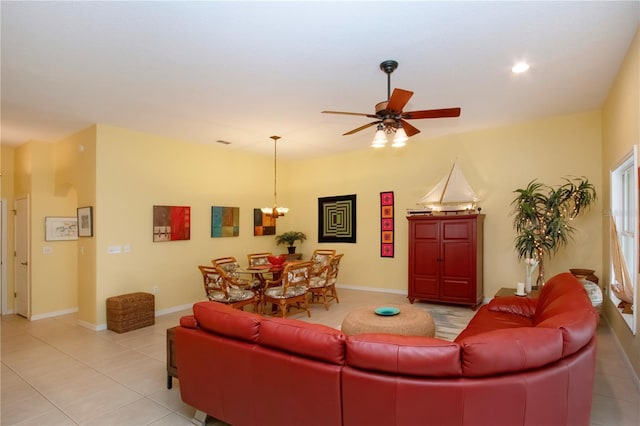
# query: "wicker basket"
(130, 311)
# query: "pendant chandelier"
(275, 211)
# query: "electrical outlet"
(156, 290)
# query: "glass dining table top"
(259, 269)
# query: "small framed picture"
(60, 228)
(85, 222)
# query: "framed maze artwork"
(337, 219)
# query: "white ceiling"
(243, 71)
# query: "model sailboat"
(452, 193)
(622, 286)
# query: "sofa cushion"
(560, 294)
(509, 350)
(570, 301)
(523, 306)
(577, 327)
(406, 355)
(222, 319)
(302, 338)
(486, 320)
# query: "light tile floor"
(55, 372)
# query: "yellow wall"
(620, 118)
(495, 162)
(53, 276)
(7, 193)
(75, 171)
(136, 171)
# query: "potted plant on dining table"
(289, 238)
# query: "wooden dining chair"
(290, 289)
(259, 260)
(323, 285)
(218, 288)
(320, 259)
(229, 267)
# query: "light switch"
(47, 250)
(114, 249)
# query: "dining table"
(262, 272)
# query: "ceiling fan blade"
(361, 128)
(398, 100)
(409, 129)
(432, 113)
(350, 113)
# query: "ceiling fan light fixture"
(389, 115)
(400, 138)
(380, 138)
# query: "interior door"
(22, 296)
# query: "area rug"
(450, 320)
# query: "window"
(624, 211)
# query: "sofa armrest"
(189, 321)
(221, 319)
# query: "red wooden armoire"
(445, 258)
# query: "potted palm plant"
(289, 238)
(543, 217)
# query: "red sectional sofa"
(520, 361)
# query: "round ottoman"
(409, 322)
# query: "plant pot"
(291, 249)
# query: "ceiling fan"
(389, 115)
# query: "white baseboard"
(53, 314)
(375, 289)
(92, 327)
(174, 309)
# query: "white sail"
(453, 191)
(622, 286)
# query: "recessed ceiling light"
(520, 67)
